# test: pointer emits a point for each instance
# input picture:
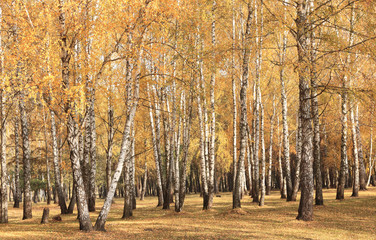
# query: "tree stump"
(46, 213)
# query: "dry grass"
(353, 218)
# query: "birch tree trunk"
(355, 192)
(305, 212)
(234, 109)
(27, 205)
(72, 125)
(298, 157)
(17, 198)
(47, 162)
(176, 147)
(93, 153)
(280, 166)
(344, 99)
(243, 111)
(55, 152)
(4, 199)
(285, 129)
(187, 121)
(269, 179)
(169, 156)
(110, 144)
(156, 149)
(362, 169)
(319, 199)
(128, 209)
(371, 162)
(124, 152)
(3, 193)
(204, 187)
(143, 192)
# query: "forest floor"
(353, 218)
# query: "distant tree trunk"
(93, 153)
(298, 157)
(110, 143)
(132, 171)
(269, 179)
(47, 162)
(344, 98)
(263, 160)
(27, 209)
(306, 201)
(371, 161)
(144, 182)
(342, 173)
(355, 192)
(285, 128)
(72, 202)
(176, 148)
(187, 121)
(17, 196)
(362, 169)
(249, 160)
(280, 166)
(58, 186)
(243, 111)
(156, 149)
(4, 199)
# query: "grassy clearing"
(353, 218)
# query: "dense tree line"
(130, 99)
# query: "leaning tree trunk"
(306, 200)
(243, 111)
(124, 152)
(72, 127)
(27, 209)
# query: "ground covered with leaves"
(353, 218)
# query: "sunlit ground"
(353, 218)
